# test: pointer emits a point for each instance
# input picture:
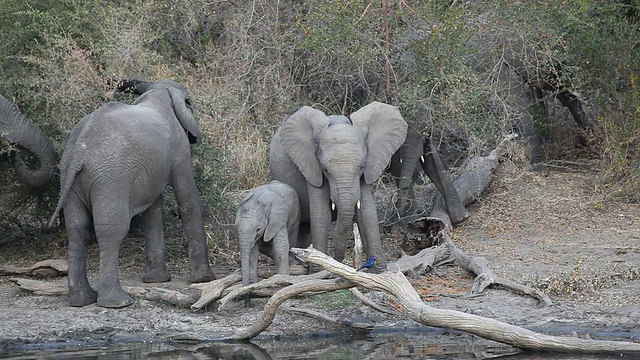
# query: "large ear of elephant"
(385, 131)
(298, 136)
(184, 115)
(276, 210)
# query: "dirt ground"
(554, 233)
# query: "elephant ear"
(181, 107)
(276, 209)
(244, 200)
(385, 131)
(298, 134)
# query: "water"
(422, 343)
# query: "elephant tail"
(69, 176)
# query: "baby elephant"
(267, 221)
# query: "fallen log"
(395, 283)
(474, 178)
(40, 287)
(42, 269)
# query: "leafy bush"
(249, 65)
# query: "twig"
(370, 303)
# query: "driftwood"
(40, 287)
(177, 298)
(395, 283)
(476, 174)
(42, 269)
(317, 315)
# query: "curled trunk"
(19, 130)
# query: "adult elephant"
(334, 160)
(19, 130)
(116, 164)
(526, 76)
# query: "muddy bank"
(551, 233)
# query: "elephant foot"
(460, 216)
(201, 275)
(156, 276)
(115, 299)
(79, 298)
(247, 300)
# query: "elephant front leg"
(190, 208)
(110, 292)
(78, 224)
(367, 219)
(155, 247)
(281, 252)
(320, 219)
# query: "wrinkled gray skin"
(267, 222)
(17, 129)
(116, 164)
(335, 159)
(415, 154)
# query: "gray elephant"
(508, 61)
(116, 164)
(267, 222)
(19, 130)
(334, 160)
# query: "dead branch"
(173, 297)
(42, 269)
(473, 180)
(40, 287)
(271, 307)
(213, 289)
(485, 277)
(395, 283)
(370, 303)
(277, 280)
(314, 314)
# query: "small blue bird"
(368, 264)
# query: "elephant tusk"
(358, 205)
(422, 158)
(333, 206)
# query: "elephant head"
(19, 130)
(346, 153)
(179, 97)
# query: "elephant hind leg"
(78, 223)
(110, 231)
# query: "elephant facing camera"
(334, 160)
(267, 222)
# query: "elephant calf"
(267, 221)
(116, 164)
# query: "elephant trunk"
(346, 202)
(248, 259)
(21, 131)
